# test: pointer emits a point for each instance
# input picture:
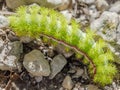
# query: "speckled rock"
(57, 65)
(36, 64)
(93, 12)
(4, 23)
(9, 55)
(17, 49)
(67, 83)
(106, 25)
(115, 7)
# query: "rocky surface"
(88, 1)
(102, 5)
(57, 65)
(79, 73)
(103, 17)
(108, 16)
(4, 23)
(10, 54)
(27, 62)
(46, 3)
(67, 83)
(115, 7)
(108, 27)
(78, 87)
(92, 87)
(36, 64)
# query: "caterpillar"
(38, 21)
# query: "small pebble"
(67, 83)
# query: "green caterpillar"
(35, 21)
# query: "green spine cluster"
(35, 21)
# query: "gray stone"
(47, 3)
(115, 7)
(111, 17)
(56, 1)
(61, 49)
(9, 56)
(12, 37)
(36, 64)
(102, 5)
(72, 71)
(96, 24)
(50, 52)
(87, 1)
(57, 65)
(67, 83)
(78, 86)
(38, 79)
(67, 14)
(106, 25)
(17, 49)
(4, 23)
(79, 73)
(1, 45)
(2, 33)
(14, 4)
(93, 12)
(118, 34)
(92, 87)
(108, 88)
